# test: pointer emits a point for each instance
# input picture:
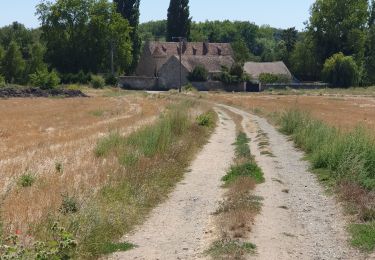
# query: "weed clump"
(69, 204)
(59, 167)
(27, 179)
(206, 119)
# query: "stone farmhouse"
(161, 60)
(159, 67)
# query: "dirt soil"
(181, 228)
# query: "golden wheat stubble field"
(53, 141)
(346, 112)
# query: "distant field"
(337, 109)
(49, 143)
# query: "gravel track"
(298, 219)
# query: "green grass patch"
(230, 250)
(249, 169)
(242, 146)
(363, 235)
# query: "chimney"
(184, 46)
(205, 48)
(219, 51)
(195, 51)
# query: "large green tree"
(371, 20)
(179, 21)
(20, 34)
(84, 34)
(370, 48)
(13, 64)
(339, 26)
(303, 60)
(129, 9)
(289, 39)
(36, 61)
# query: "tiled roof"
(192, 48)
(211, 63)
(256, 68)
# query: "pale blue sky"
(277, 13)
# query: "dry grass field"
(346, 112)
(48, 144)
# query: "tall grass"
(349, 156)
(344, 159)
(150, 162)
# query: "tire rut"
(298, 219)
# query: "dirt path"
(298, 220)
(179, 228)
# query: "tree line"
(337, 44)
(80, 37)
(76, 38)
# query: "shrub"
(45, 79)
(79, 78)
(199, 74)
(83, 78)
(110, 80)
(268, 78)
(234, 75)
(26, 179)
(97, 81)
(341, 71)
(237, 70)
